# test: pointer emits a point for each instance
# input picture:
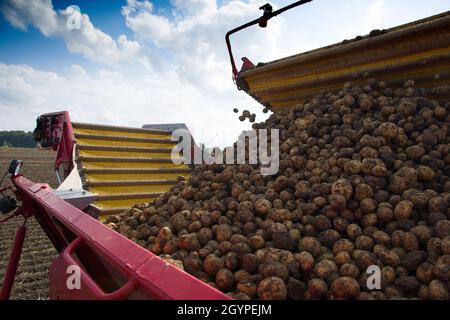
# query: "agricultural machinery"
(104, 169)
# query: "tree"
(18, 139)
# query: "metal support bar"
(262, 21)
(11, 271)
(58, 176)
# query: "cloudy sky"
(134, 62)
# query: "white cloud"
(91, 42)
(109, 97)
(194, 34)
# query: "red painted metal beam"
(13, 263)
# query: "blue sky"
(141, 61)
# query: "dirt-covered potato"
(325, 268)
(212, 264)
(442, 268)
(250, 262)
(272, 288)
(309, 244)
(224, 279)
(189, 242)
(344, 288)
(317, 288)
(249, 288)
(425, 273)
(343, 187)
(223, 232)
(263, 206)
(273, 269)
(437, 290)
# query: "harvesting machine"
(106, 169)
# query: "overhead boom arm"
(262, 22)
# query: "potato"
(224, 247)
(442, 229)
(223, 232)
(354, 231)
(212, 264)
(343, 187)
(388, 275)
(442, 268)
(437, 290)
(425, 273)
(344, 288)
(363, 191)
(342, 245)
(325, 268)
(189, 242)
(349, 270)
(263, 206)
(408, 284)
(317, 288)
(425, 173)
(250, 262)
(256, 242)
(412, 260)
(342, 258)
(337, 201)
(410, 242)
(403, 210)
(403, 179)
(192, 264)
(249, 288)
(231, 261)
(272, 288)
(364, 259)
(309, 244)
(389, 258)
(204, 235)
(445, 245)
(224, 279)
(273, 269)
(242, 276)
(305, 260)
(283, 240)
(364, 243)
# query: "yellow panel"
(123, 203)
(134, 165)
(133, 176)
(418, 51)
(122, 133)
(97, 142)
(296, 78)
(130, 189)
(103, 153)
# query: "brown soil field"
(32, 277)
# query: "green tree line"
(18, 139)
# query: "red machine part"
(54, 131)
(13, 263)
(111, 266)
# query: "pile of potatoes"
(363, 182)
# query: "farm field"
(32, 277)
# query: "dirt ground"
(32, 277)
